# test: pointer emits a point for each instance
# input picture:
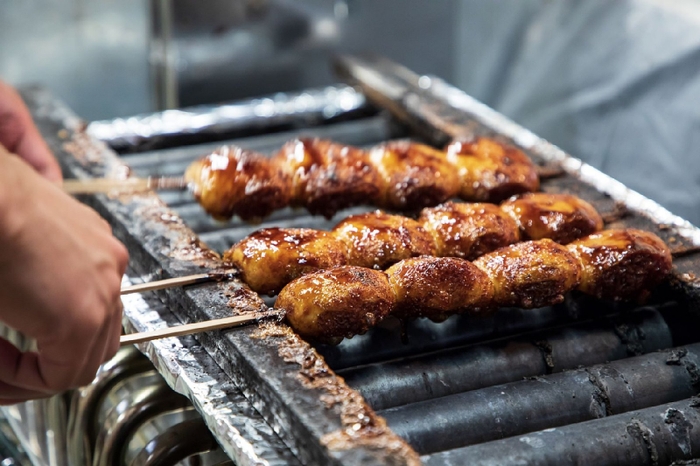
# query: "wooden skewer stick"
(189, 329)
(216, 276)
(107, 185)
(167, 283)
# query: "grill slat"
(661, 435)
(461, 369)
(384, 343)
(545, 402)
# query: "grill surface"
(409, 383)
(456, 388)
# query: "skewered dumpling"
(531, 274)
(468, 230)
(234, 181)
(621, 264)
(378, 240)
(270, 258)
(413, 175)
(560, 217)
(490, 171)
(329, 305)
(437, 287)
(326, 176)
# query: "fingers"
(34, 150)
(14, 401)
(115, 326)
(13, 394)
(18, 134)
(61, 288)
(121, 256)
(114, 334)
(20, 370)
(104, 347)
(9, 392)
(83, 343)
(69, 357)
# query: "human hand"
(19, 135)
(60, 280)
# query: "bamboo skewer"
(179, 281)
(107, 185)
(167, 283)
(198, 327)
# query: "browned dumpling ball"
(333, 304)
(326, 176)
(559, 217)
(437, 287)
(468, 230)
(270, 258)
(234, 181)
(531, 274)
(490, 171)
(621, 264)
(378, 240)
(413, 175)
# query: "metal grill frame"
(435, 110)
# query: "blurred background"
(614, 83)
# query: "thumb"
(36, 372)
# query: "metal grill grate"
(449, 387)
(494, 390)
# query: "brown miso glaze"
(413, 175)
(332, 304)
(560, 217)
(378, 240)
(233, 181)
(437, 287)
(468, 230)
(531, 274)
(490, 171)
(272, 257)
(360, 427)
(327, 177)
(621, 264)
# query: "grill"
(584, 382)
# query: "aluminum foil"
(189, 370)
(304, 108)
